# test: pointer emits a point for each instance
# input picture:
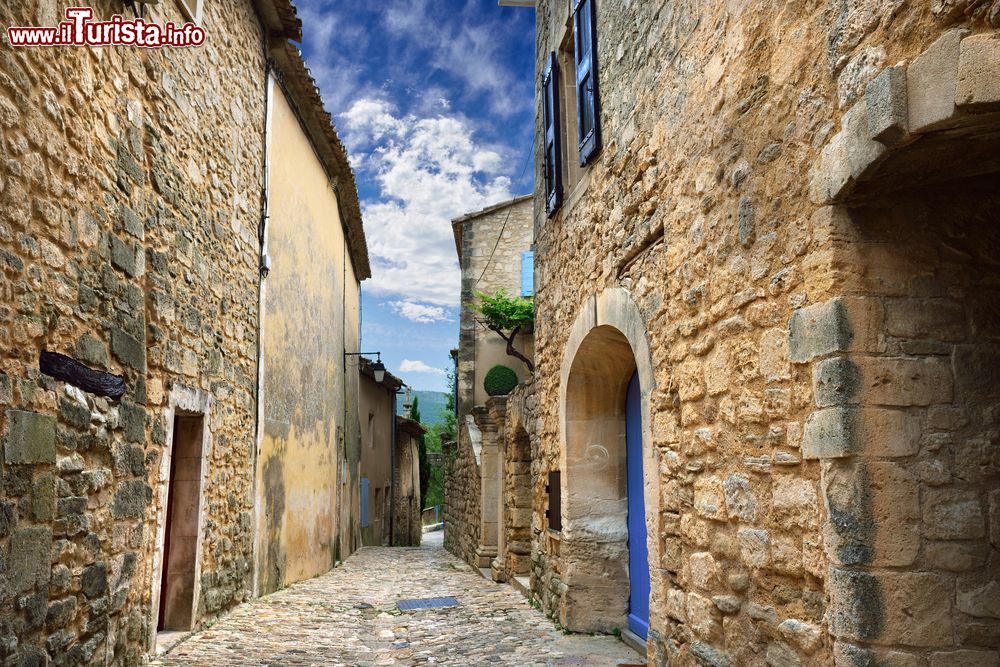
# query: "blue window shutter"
(552, 160)
(588, 105)
(364, 502)
(528, 273)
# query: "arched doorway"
(608, 470)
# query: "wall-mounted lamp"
(378, 368)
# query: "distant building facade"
(390, 464)
(407, 528)
(496, 253)
(378, 430)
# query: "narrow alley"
(349, 616)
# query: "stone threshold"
(166, 640)
(634, 642)
(523, 586)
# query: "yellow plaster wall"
(304, 331)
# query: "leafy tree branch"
(507, 317)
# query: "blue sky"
(435, 103)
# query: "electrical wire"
(531, 154)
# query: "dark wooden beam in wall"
(77, 374)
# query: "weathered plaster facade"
(791, 242)
(308, 458)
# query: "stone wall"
(129, 203)
(699, 210)
(463, 491)
(407, 526)
(905, 377)
(517, 445)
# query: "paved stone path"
(349, 617)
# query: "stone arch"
(936, 118)
(607, 344)
(906, 359)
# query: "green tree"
(435, 485)
(450, 417)
(425, 469)
(436, 435)
(507, 317)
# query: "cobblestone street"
(349, 617)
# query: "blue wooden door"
(638, 560)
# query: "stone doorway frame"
(611, 314)
(186, 402)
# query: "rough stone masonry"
(791, 234)
(129, 202)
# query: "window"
(553, 154)
(587, 99)
(571, 73)
(527, 273)
(371, 430)
(193, 9)
(554, 492)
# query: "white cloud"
(419, 312)
(429, 170)
(409, 366)
(467, 47)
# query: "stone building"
(407, 528)
(495, 253)
(489, 266)
(132, 194)
(768, 376)
(378, 424)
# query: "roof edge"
(304, 95)
(491, 209)
(411, 426)
(456, 224)
(280, 18)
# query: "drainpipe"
(392, 472)
(263, 267)
(343, 340)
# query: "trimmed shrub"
(500, 381)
